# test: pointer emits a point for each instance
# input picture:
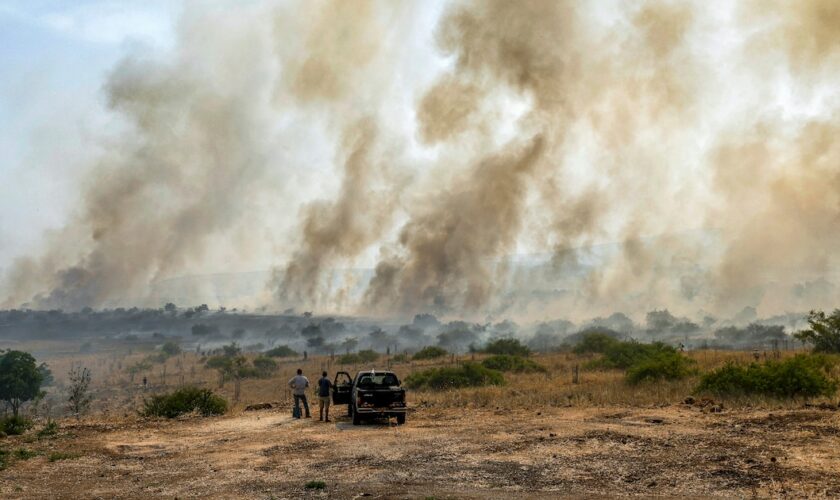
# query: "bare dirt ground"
(674, 450)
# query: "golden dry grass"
(117, 392)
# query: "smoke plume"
(484, 158)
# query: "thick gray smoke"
(644, 152)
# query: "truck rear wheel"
(400, 418)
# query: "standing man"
(324, 386)
(298, 384)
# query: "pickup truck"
(373, 393)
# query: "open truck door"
(342, 388)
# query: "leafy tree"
(47, 378)
(349, 344)
(203, 330)
(659, 321)
(170, 348)
(170, 308)
(311, 331)
(79, 397)
(315, 342)
(20, 380)
(824, 333)
(231, 350)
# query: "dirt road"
(671, 451)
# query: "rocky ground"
(677, 450)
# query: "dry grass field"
(539, 435)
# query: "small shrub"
(51, 429)
(4, 459)
(466, 375)
(78, 391)
(282, 351)
(184, 400)
(802, 375)
(400, 358)
(61, 455)
(431, 352)
(365, 356)
(368, 356)
(315, 485)
(349, 359)
(264, 366)
(511, 347)
(664, 365)
(515, 364)
(15, 425)
(24, 454)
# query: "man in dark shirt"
(324, 386)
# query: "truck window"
(384, 380)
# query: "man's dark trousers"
(298, 399)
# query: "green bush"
(24, 454)
(15, 425)
(431, 352)
(184, 400)
(61, 455)
(365, 356)
(511, 347)
(4, 459)
(281, 351)
(466, 375)
(664, 365)
(515, 364)
(368, 356)
(803, 375)
(349, 359)
(170, 348)
(51, 429)
(315, 485)
(623, 355)
(400, 358)
(595, 343)
(265, 367)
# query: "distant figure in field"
(144, 382)
(324, 386)
(298, 384)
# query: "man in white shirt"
(298, 384)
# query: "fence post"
(576, 375)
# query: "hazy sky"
(54, 57)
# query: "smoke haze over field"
(528, 159)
